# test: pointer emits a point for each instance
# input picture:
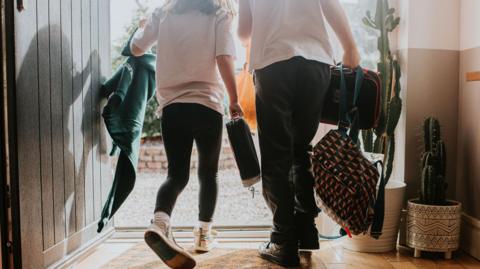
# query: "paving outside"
(235, 206)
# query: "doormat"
(141, 257)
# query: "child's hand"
(142, 23)
(236, 110)
(351, 58)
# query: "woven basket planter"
(433, 228)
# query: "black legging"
(181, 125)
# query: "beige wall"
(437, 46)
(428, 42)
(468, 166)
(468, 179)
(468, 176)
(432, 90)
(438, 43)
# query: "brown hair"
(205, 6)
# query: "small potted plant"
(433, 222)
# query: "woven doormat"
(141, 257)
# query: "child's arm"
(245, 21)
(226, 68)
(225, 55)
(146, 35)
(136, 51)
(338, 20)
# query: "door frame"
(9, 211)
(3, 222)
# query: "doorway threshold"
(185, 234)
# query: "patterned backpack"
(345, 180)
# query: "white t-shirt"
(283, 29)
(187, 45)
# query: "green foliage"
(366, 37)
(367, 138)
(152, 124)
(384, 22)
(433, 186)
(118, 45)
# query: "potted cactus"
(379, 143)
(433, 222)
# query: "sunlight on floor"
(135, 254)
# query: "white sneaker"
(160, 239)
(205, 240)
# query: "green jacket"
(130, 88)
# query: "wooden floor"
(331, 255)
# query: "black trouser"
(181, 125)
(289, 100)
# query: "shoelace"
(162, 225)
(206, 235)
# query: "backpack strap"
(343, 122)
(377, 225)
(349, 119)
(354, 116)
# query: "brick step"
(153, 159)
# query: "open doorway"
(238, 208)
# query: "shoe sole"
(278, 261)
(204, 249)
(169, 253)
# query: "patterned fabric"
(345, 182)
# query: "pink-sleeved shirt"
(187, 45)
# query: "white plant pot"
(394, 200)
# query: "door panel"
(62, 54)
(45, 122)
(68, 131)
(78, 113)
(56, 102)
(28, 136)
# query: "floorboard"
(331, 256)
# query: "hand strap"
(350, 119)
(343, 123)
(354, 115)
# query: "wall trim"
(470, 235)
(69, 260)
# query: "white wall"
(430, 24)
(469, 24)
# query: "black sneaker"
(283, 255)
(160, 239)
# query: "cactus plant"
(433, 186)
(382, 138)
